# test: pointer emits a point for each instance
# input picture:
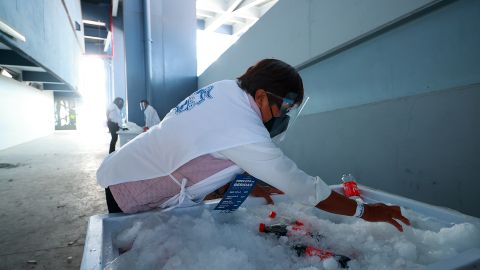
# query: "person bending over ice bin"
(219, 131)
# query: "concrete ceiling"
(14, 62)
(239, 15)
(96, 26)
(4, 47)
(23, 69)
(96, 2)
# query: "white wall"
(299, 31)
(25, 113)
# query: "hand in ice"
(379, 212)
(265, 192)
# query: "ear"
(261, 98)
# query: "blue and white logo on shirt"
(197, 98)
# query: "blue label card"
(236, 194)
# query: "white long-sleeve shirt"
(151, 117)
(207, 173)
(253, 152)
(114, 114)
(267, 162)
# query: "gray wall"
(172, 74)
(436, 51)
(300, 31)
(74, 8)
(51, 40)
(400, 111)
(423, 147)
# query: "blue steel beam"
(44, 77)
(95, 31)
(12, 58)
(56, 86)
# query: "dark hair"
(144, 101)
(117, 100)
(274, 76)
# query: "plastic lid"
(272, 214)
(261, 227)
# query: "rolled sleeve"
(267, 162)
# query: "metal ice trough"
(127, 135)
(99, 249)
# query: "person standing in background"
(151, 115)
(114, 120)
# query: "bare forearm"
(338, 204)
(378, 212)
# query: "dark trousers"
(113, 128)
(111, 203)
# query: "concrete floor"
(46, 201)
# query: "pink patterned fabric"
(144, 195)
(147, 194)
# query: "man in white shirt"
(114, 121)
(151, 115)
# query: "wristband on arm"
(360, 210)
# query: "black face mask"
(277, 125)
